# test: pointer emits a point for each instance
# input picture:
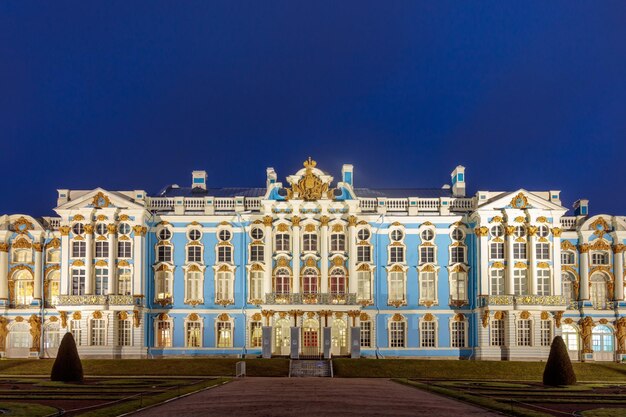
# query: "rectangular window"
(256, 285)
(523, 333)
(194, 334)
(282, 242)
(102, 281)
(458, 286)
(458, 334)
(164, 254)
(496, 250)
(427, 334)
(257, 253)
(520, 282)
(98, 332)
(497, 282)
(567, 258)
(78, 281)
(224, 334)
(457, 254)
(366, 334)
(543, 251)
(599, 258)
(519, 251)
(543, 282)
(77, 332)
(194, 254)
(396, 334)
(256, 334)
(224, 286)
(363, 253)
(396, 254)
(79, 248)
(427, 286)
(194, 286)
(224, 254)
(427, 255)
(364, 285)
(102, 249)
(396, 286)
(337, 242)
(164, 334)
(123, 249)
(497, 333)
(123, 281)
(309, 242)
(124, 333)
(546, 332)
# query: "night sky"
(135, 95)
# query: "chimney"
(458, 181)
(64, 197)
(346, 174)
(271, 177)
(198, 179)
(581, 207)
(555, 197)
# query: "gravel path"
(305, 397)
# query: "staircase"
(307, 368)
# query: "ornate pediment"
(310, 184)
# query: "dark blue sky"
(131, 95)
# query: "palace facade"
(311, 268)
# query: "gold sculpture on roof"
(310, 187)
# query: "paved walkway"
(304, 397)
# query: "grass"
(493, 370)
(490, 403)
(26, 409)
(153, 367)
(604, 412)
(150, 399)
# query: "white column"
(484, 259)
(89, 259)
(532, 260)
(584, 272)
(324, 253)
(4, 270)
(509, 285)
(112, 255)
(38, 272)
(295, 234)
(65, 260)
(618, 271)
(138, 259)
(557, 286)
(267, 256)
(352, 283)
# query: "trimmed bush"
(67, 366)
(559, 369)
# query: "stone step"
(310, 368)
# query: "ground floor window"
(224, 334)
(570, 337)
(164, 334)
(20, 336)
(546, 332)
(52, 336)
(366, 334)
(523, 333)
(256, 334)
(98, 332)
(497, 332)
(457, 337)
(124, 333)
(77, 332)
(397, 334)
(193, 336)
(427, 334)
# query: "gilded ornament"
(524, 315)
(337, 228)
(519, 201)
(600, 244)
(586, 328)
(509, 230)
(97, 314)
(77, 315)
(101, 262)
(310, 262)
(101, 200)
(324, 220)
(22, 243)
(65, 230)
(223, 268)
(545, 315)
(584, 248)
(256, 267)
(619, 248)
(485, 318)
(620, 334)
(53, 319)
(111, 229)
(428, 317)
(35, 332)
(22, 225)
(556, 231)
(78, 218)
(499, 315)
(599, 226)
(520, 219)
(352, 221)
(195, 317)
(88, 229)
(163, 317)
(54, 243)
(520, 265)
(123, 263)
(363, 267)
(459, 317)
(396, 303)
(427, 223)
(101, 217)
(78, 263)
(4, 247)
(295, 221)
(19, 319)
(194, 268)
(338, 315)
(557, 318)
(532, 230)
(63, 315)
(282, 262)
(282, 228)
(458, 268)
(398, 317)
(481, 231)
(309, 228)
(603, 321)
(268, 220)
(223, 317)
(122, 315)
(139, 230)
(543, 265)
(568, 321)
(425, 268)
(338, 261)
(496, 219)
(310, 187)
(364, 316)
(542, 219)
(256, 316)
(136, 318)
(497, 265)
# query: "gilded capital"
(556, 231)
(584, 248)
(532, 230)
(324, 220)
(88, 229)
(481, 231)
(268, 220)
(111, 229)
(65, 230)
(38, 247)
(140, 230)
(619, 248)
(352, 220)
(509, 230)
(4, 247)
(295, 221)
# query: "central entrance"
(310, 339)
(339, 336)
(282, 337)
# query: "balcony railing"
(522, 300)
(75, 300)
(568, 223)
(312, 299)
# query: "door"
(310, 338)
(339, 338)
(602, 340)
(282, 337)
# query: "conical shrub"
(67, 366)
(559, 369)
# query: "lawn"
(493, 370)
(25, 409)
(150, 367)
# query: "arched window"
(24, 285)
(52, 288)
(458, 286)
(569, 292)
(282, 281)
(599, 291)
(337, 281)
(163, 285)
(224, 332)
(396, 286)
(193, 333)
(309, 281)
(124, 286)
(163, 333)
(224, 286)
(570, 337)
(194, 279)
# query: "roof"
(402, 192)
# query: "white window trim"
(201, 322)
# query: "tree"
(559, 370)
(67, 366)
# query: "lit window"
(256, 334)
(193, 287)
(164, 334)
(77, 332)
(224, 334)
(364, 285)
(256, 285)
(193, 336)
(458, 286)
(163, 287)
(24, 288)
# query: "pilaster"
(324, 253)
(267, 255)
(4, 271)
(111, 229)
(584, 271)
(89, 259)
(352, 283)
(295, 233)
